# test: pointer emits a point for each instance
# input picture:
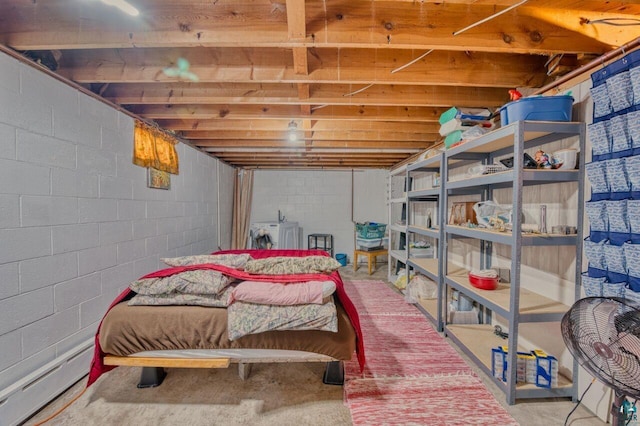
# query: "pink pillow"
(269, 293)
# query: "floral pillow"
(231, 260)
(251, 318)
(215, 301)
(197, 281)
(282, 265)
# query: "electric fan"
(603, 334)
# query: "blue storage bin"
(537, 108)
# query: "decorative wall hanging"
(158, 179)
(154, 148)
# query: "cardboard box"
(462, 212)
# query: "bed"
(159, 337)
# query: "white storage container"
(372, 242)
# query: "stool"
(321, 242)
(371, 257)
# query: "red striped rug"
(413, 375)
(404, 345)
(443, 400)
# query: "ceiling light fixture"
(293, 131)
(123, 6)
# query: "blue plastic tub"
(537, 108)
(342, 259)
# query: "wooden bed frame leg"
(244, 369)
(334, 373)
(151, 377)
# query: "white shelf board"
(423, 230)
(401, 255)
(398, 227)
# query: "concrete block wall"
(77, 220)
(321, 201)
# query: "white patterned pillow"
(197, 281)
(251, 318)
(231, 260)
(209, 300)
(283, 265)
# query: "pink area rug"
(442, 400)
(413, 375)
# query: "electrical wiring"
(578, 402)
(629, 22)
(64, 407)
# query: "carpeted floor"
(413, 376)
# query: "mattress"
(127, 330)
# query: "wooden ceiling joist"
(365, 82)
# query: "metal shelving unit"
(397, 231)
(430, 267)
(515, 304)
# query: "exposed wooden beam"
(355, 145)
(349, 113)
(585, 23)
(346, 66)
(405, 25)
(348, 135)
(222, 124)
(307, 94)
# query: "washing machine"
(274, 235)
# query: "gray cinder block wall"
(77, 224)
(322, 201)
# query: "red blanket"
(97, 364)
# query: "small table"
(371, 257)
(321, 242)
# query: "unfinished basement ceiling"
(341, 71)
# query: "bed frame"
(153, 372)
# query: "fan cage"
(603, 334)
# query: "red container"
(483, 283)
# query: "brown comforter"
(129, 329)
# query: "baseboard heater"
(23, 398)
